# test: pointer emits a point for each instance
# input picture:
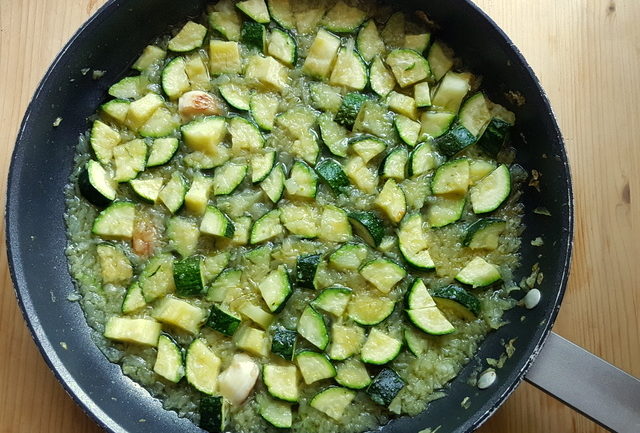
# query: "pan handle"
(592, 386)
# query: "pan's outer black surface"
(42, 161)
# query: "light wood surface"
(587, 55)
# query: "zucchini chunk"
(392, 201)
(474, 114)
(494, 136)
(445, 209)
(116, 109)
(280, 11)
(281, 381)
(228, 177)
(333, 135)
(422, 160)
(175, 81)
(137, 331)
(451, 177)
(156, 279)
(222, 321)
(353, 374)
(348, 257)
(254, 36)
(334, 225)
(451, 91)
(187, 274)
(325, 97)
(367, 147)
(255, 9)
(369, 310)
(150, 55)
(222, 283)
(402, 104)
(129, 159)
(273, 184)
(349, 108)
(422, 94)
(369, 42)
(484, 233)
(478, 273)
(244, 135)
(224, 57)
(213, 413)
(314, 366)
(332, 174)
(439, 60)
(216, 223)
(380, 348)
(312, 328)
(489, 193)
(147, 189)
(349, 70)
(283, 342)
(275, 412)
(197, 197)
(383, 274)
(302, 182)
(161, 151)
(455, 140)
(413, 243)
(261, 165)
(252, 340)
(346, 341)
(283, 47)
(458, 300)
(380, 77)
(342, 18)
(103, 140)
(322, 54)
(188, 38)
(237, 96)
(257, 314)
(300, 219)
(275, 289)
(202, 367)
(306, 267)
(225, 20)
(116, 221)
(333, 401)
(268, 226)
(264, 108)
(408, 66)
(385, 387)
(168, 362)
(179, 313)
(394, 30)
(395, 164)
(127, 88)
(173, 192)
(183, 235)
(333, 300)
(368, 226)
(434, 123)
(133, 300)
(96, 185)
(408, 129)
(418, 42)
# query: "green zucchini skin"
(213, 415)
(385, 386)
(188, 277)
(333, 175)
(368, 225)
(283, 342)
(494, 136)
(459, 300)
(222, 321)
(455, 140)
(98, 195)
(351, 104)
(306, 267)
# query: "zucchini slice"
(281, 381)
(325, 97)
(283, 342)
(368, 226)
(156, 279)
(133, 300)
(175, 81)
(222, 321)
(408, 130)
(395, 164)
(322, 54)
(150, 55)
(392, 201)
(252, 340)
(311, 327)
(254, 36)
(96, 185)
(380, 348)
(306, 267)
(346, 341)
(369, 42)
(179, 313)
(369, 310)
(418, 296)
(394, 30)
(402, 104)
(349, 108)
(474, 114)
(314, 366)
(489, 193)
(418, 42)
(255, 9)
(302, 182)
(422, 160)
(280, 11)
(430, 320)
(380, 77)
(188, 38)
(129, 159)
(383, 274)
(116, 109)
(422, 94)
(202, 367)
(216, 223)
(137, 331)
(187, 274)
(353, 374)
(494, 136)
(225, 19)
(342, 18)
(213, 413)
(385, 387)
(116, 221)
(333, 300)
(237, 96)
(244, 135)
(333, 401)
(348, 257)
(334, 225)
(435, 123)
(333, 135)
(169, 362)
(349, 70)
(458, 300)
(455, 140)
(258, 315)
(484, 233)
(161, 151)
(361, 175)
(261, 165)
(275, 289)
(413, 243)
(127, 88)
(268, 226)
(451, 177)
(183, 235)
(283, 47)
(451, 91)
(228, 177)
(273, 184)
(439, 60)
(275, 412)
(196, 199)
(478, 273)
(445, 210)
(367, 147)
(332, 174)
(408, 66)
(264, 108)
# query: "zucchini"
(417, 342)
(333, 401)
(280, 11)
(283, 47)
(474, 114)
(244, 135)
(395, 164)
(156, 279)
(422, 160)
(408, 130)
(133, 300)
(484, 233)
(368, 42)
(413, 244)
(222, 321)
(116, 109)
(349, 70)
(380, 77)
(445, 210)
(275, 412)
(346, 341)
(190, 37)
(179, 313)
(127, 88)
(228, 177)
(161, 151)
(430, 320)
(129, 159)
(174, 79)
(385, 387)
(183, 235)
(418, 43)
(254, 36)
(458, 300)
(237, 96)
(116, 221)
(435, 123)
(258, 315)
(451, 91)
(197, 197)
(205, 135)
(264, 108)
(402, 104)
(151, 55)
(392, 201)
(367, 147)
(332, 174)
(275, 289)
(216, 223)
(418, 296)
(368, 226)
(261, 165)
(255, 9)
(225, 20)
(137, 331)
(479, 168)
(325, 97)
(213, 266)
(439, 60)
(307, 21)
(252, 340)
(281, 381)
(349, 108)
(394, 29)
(342, 18)
(369, 310)
(373, 118)
(311, 327)
(455, 140)
(202, 368)
(348, 257)
(451, 177)
(213, 413)
(300, 219)
(168, 362)
(479, 273)
(363, 177)
(322, 54)
(489, 193)
(333, 135)
(283, 342)
(334, 225)
(273, 184)
(96, 184)
(494, 136)
(224, 57)
(306, 267)
(352, 374)
(266, 227)
(302, 182)
(198, 74)
(314, 366)
(408, 67)
(422, 94)
(333, 300)
(380, 348)
(383, 274)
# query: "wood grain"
(587, 55)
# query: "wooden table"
(587, 55)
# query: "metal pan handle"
(592, 386)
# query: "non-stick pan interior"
(43, 159)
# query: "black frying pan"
(43, 158)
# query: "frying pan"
(43, 159)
